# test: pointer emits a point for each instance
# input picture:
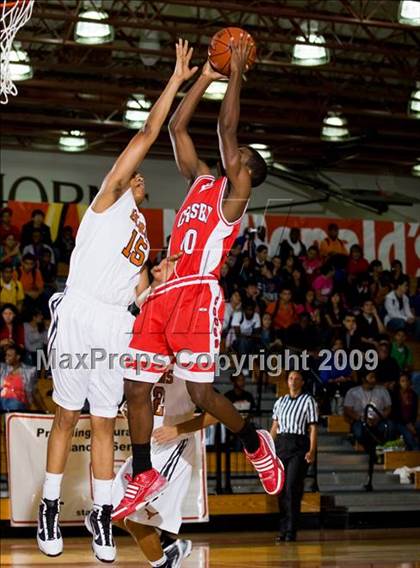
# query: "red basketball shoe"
(268, 466)
(140, 490)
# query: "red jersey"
(201, 231)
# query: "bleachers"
(394, 460)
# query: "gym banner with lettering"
(27, 437)
(385, 240)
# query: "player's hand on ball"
(182, 70)
(165, 434)
(163, 271)
(240, 53)
(211, 73)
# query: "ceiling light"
(306, 53)
(414, 103)
(216, 90)
(409, 12)
(264, 152)
(334, 127)
(20, 65)
(137, 111)
(73, 141)
(93, 33)
(415, 170)
(151, 41)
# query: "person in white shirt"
(398, 311)
(247, 327)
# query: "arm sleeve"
(312, 411)
(276, 410)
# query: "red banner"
(385, 240)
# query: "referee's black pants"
(291, 449)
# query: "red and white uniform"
(181, 321)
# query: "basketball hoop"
(13, 15)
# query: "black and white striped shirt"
(295, 414)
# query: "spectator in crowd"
(398, 312)
(11, 290)
(66, 242)
(387, 371)
(400, 351)
(397, 273)
(283, 312)
(379, 283)
(261, 258)
(10, 251)
(294, 430)
(292, 245)
(324, 283)
(349, 334)
(276, 262)
(247, 273)
(249, 248)
(6, 226)
(36, 247)
(17, 382)
(231, 307)
(267, 285)
(298, 286)
(332, 245)
(226, 281)
(31, 278)
(370, 326)
(247, 327)
(309, 306)
(356, 263)
(311, 264)
(37, 222)
(48, 271)
(302, 334)
(406, 412)
(359, 291)
(368, 409)
(11, 330)
(286, 273)
(35, 335)
(334, 312)
(261, 237)
(241, 399)
(337, 381)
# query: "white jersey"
(111, 248)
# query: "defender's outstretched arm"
(118, 179)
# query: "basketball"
(219, 50)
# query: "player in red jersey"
(181, 318)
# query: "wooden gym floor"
(390, 548)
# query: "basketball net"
(13, 16)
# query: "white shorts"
(175, 461)
(83, 337)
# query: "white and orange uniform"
(90, 319)
(175, 460)
(181, 320)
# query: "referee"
(295, 433)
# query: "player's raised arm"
(185, 153)
(118, 179)
(235, 159)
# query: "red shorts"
(179, 324)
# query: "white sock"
(160, 562)
(52, 486)
(102, 491)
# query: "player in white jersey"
(91, 322)
(155, 527)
